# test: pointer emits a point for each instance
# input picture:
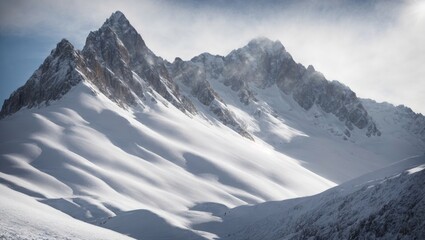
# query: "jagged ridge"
(263, 63)
(54, 78)
(117, 61)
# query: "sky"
(375, 47)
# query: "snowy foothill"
(385, 204)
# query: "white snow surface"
(22, 217)
(91, 159)
(151, 172)
(385, 204)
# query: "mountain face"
(55, 77)
(399, 118)
(117, 61)
(123, 66)
(263, 63)
(118, 137)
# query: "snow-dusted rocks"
(195, 76)
(265, 63)
(55, 77)
(396, 119)
(117, 61)
(124, 67)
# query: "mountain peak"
(116, 17)
(261, 40)
(266, 43)
(117, 14)
(64, 43)
(118, 23)
(54, 78)
(63, 47)
(117, 32)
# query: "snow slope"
(91, 159)
(401, 126)
(385, 204)
(156, 168)
(22, 217)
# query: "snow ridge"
(396, 119)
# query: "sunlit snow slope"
(91, 159)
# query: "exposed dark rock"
(117, 52)
(194, 75)
(263, 63)
(54, 78)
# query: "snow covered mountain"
(116, 136)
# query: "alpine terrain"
(114, 142)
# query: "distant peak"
(116, 16)
(260, 40)
(117, 21)
(265, 43)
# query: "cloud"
(374, 47)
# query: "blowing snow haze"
(114, 142)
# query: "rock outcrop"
(55, 77)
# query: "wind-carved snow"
(384, 204)
(158, 159)
(25, 218)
